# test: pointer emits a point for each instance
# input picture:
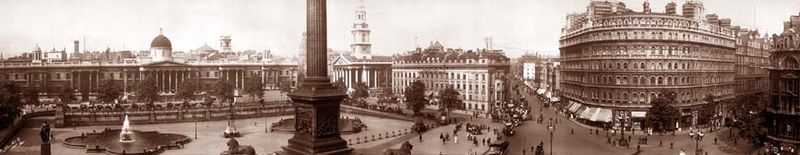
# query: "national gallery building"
(86, 76)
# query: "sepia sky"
(515, 25)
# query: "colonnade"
(371, 76)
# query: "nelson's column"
(316, 101)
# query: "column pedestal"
(317, 123)
(45, 148)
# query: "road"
(582, 142)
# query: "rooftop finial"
(160, 31)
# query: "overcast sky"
(515, 25)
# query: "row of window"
(669, 50)
(675, 65)
(661, 35)
(643, 80)
(133, 75)
(642, 96)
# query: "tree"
(662, 114)
(449, 100)
(147, 92)
(415, 97)
(30, 95)
(749, 127)
(109, 91)
(386, 96)
(67, 95)
(339, 84)
(186, 89)
(748, 121)
(254, 87)
(415, 100)
(361, 91)
(708, 112)
(224, 91)
(10, 102)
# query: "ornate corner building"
(614, 61)
(783, 113)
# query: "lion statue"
(235, 149)
(405, 149)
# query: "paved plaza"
(209, 135)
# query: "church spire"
(361, 46)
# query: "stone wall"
(67, 118)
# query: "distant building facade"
(783, 112)
(614, 61)
(529, 71)
(479, 76)
(85, 74)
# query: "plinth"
(317, 123)
(45, 150)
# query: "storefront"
(596, 116)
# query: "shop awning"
(588, 113)
(602, 115)
(639, 114)
(574, 107)
(540, 91)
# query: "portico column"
(368, 77)
(349, 77)
(316, 101)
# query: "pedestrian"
(638, 147)
(715, 140)
(484, 141)
(670, 145)
(441, 135)
(571, 131)
(475, 141)
(660, 143)
(455, 139)
(420, 137)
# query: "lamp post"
(195, 128)
(551, 127)
(696, 136)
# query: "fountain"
(127, 141)
(125, 133)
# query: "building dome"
(161, 42)
(37, 49)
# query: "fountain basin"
(144, 142)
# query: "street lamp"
(696, 136)
(551, 127)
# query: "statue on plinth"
(45, 132)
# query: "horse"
(235, 149)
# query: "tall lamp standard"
(551, 127)
(696, 136)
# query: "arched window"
(790, 62)
(652, 80)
